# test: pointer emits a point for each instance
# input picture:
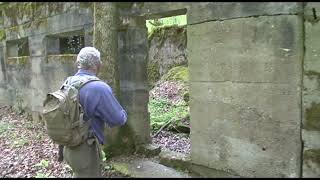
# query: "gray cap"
(88, 57)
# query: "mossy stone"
(179, 73)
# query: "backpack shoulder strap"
(80, 82)
(87, 80)
(66, 82)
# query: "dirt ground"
(27, 151)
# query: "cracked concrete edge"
(183, 162)
(243, 17)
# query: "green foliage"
(4, 127)
(19, 142)
(29, 125)
(179, 73)
(43, 163)
(103, 156)
(163, 22)
(42, 175)
(162, 111)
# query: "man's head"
(89, 59)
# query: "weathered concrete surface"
(146, 169)
(245, 77)
(19, 75)
(208, 11)
(128, 56)
(3, 79)
(27, 82)
(148, 150)
(311, 93)
(133, 54)
(175, 159)
(161, 9)
(245, 95)
(105, 36)
(167, 49)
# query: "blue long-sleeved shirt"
(99, 105)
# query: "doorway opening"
(168, 80)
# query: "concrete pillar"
(133, 54)
(105, 39)
(311, 93)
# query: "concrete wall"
(246, 69)
(245, 79)
(25, 81)
(311, 92)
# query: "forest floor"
(27, 151)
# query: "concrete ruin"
(254, 75)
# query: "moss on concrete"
(55, 8)
(120, 140)
(18, 10)
(313, 74)
(179, 73)
(24, 60)
(11, 61)
(2, 34)
(122, 168)
(175, 160)
(312, 115)
(312, 155)
(18, 61)
(86, 5)
(65, 58)
(162, 32)
(153, 73)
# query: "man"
(101, 107)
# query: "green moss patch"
(122, 168)
(19, 61)
(4, 127)
(161, 33)
(2, 34)
(179, 73)
(65, 58)
(312, 115)
(312, 155)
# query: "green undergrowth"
(162, 111)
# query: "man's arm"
(109, 109)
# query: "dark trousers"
(85, 159)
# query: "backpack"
(63, 114)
